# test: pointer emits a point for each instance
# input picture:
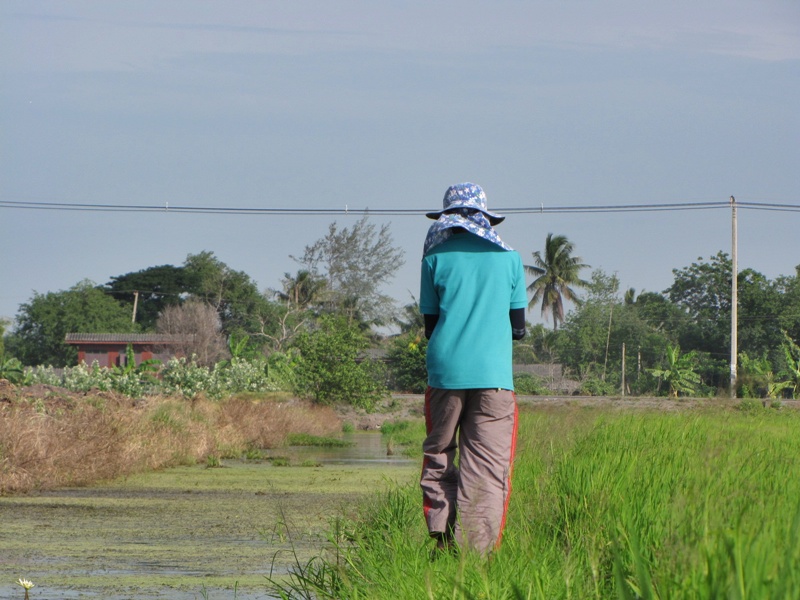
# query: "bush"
(329, 369)
(597, 387)
(282, 369)
(407, 367)
(240, 375)
(528, 384)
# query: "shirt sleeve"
(519, 294)
(428, 298)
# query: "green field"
(700, 503)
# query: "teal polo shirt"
(471, 284)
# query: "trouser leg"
(439, 479)
(487, 443)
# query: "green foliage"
(791, 370)
(42, 323)
(407, 366)
(530, 385)
(11, 368)
(134, 380)
(605, 505)
(306, 439)
(3, 326)
(592, 338)
(703, 291)
(538, 345)
(766, 309)
(179, 376)
(232, 293)
(595, 386)
(158, 287)
(242, 375)
(557, 273)
(302, 291)
(188, 379)
(757, 380)
(330, 368)
(679, 373)
(283, 367)
(355, 262)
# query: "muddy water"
(190, 532)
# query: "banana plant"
(792, 370)
(679, 373)
(11, 369)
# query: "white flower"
(25, 583)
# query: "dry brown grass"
(57, 439)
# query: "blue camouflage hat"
(465, 195)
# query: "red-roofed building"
(109, 349)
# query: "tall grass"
(56, 441)
(697, 504)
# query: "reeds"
(71, 440)
(695, 504)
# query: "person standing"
(473, 299)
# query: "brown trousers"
(470, 499)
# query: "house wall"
(113, 355)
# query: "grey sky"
(385, 104)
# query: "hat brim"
(493, 218)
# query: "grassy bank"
(50, 438)
(606, 504)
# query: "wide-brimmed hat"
(465, 195)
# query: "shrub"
(597, 387)
(240, 375)
(407, 367)
(329, 369)
(187, 378)
(528, 384)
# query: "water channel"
(190, 532)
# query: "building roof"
(125, 338)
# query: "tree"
(766, 308)
(789, 315)
(233, 294)
(302, 291)
(157, 287)
(557, 272)
(44, 321)
(538, 345)
(589, 344)
(330, 369)
(703, 291)
(197, 326)
(760, 311)
(411, 320)
(679, 372)
(355, 263)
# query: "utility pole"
(623, 369)
(135, 303)
(734, 297)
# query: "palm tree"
(302, 290)
(556, 275)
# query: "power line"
(541, 209)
